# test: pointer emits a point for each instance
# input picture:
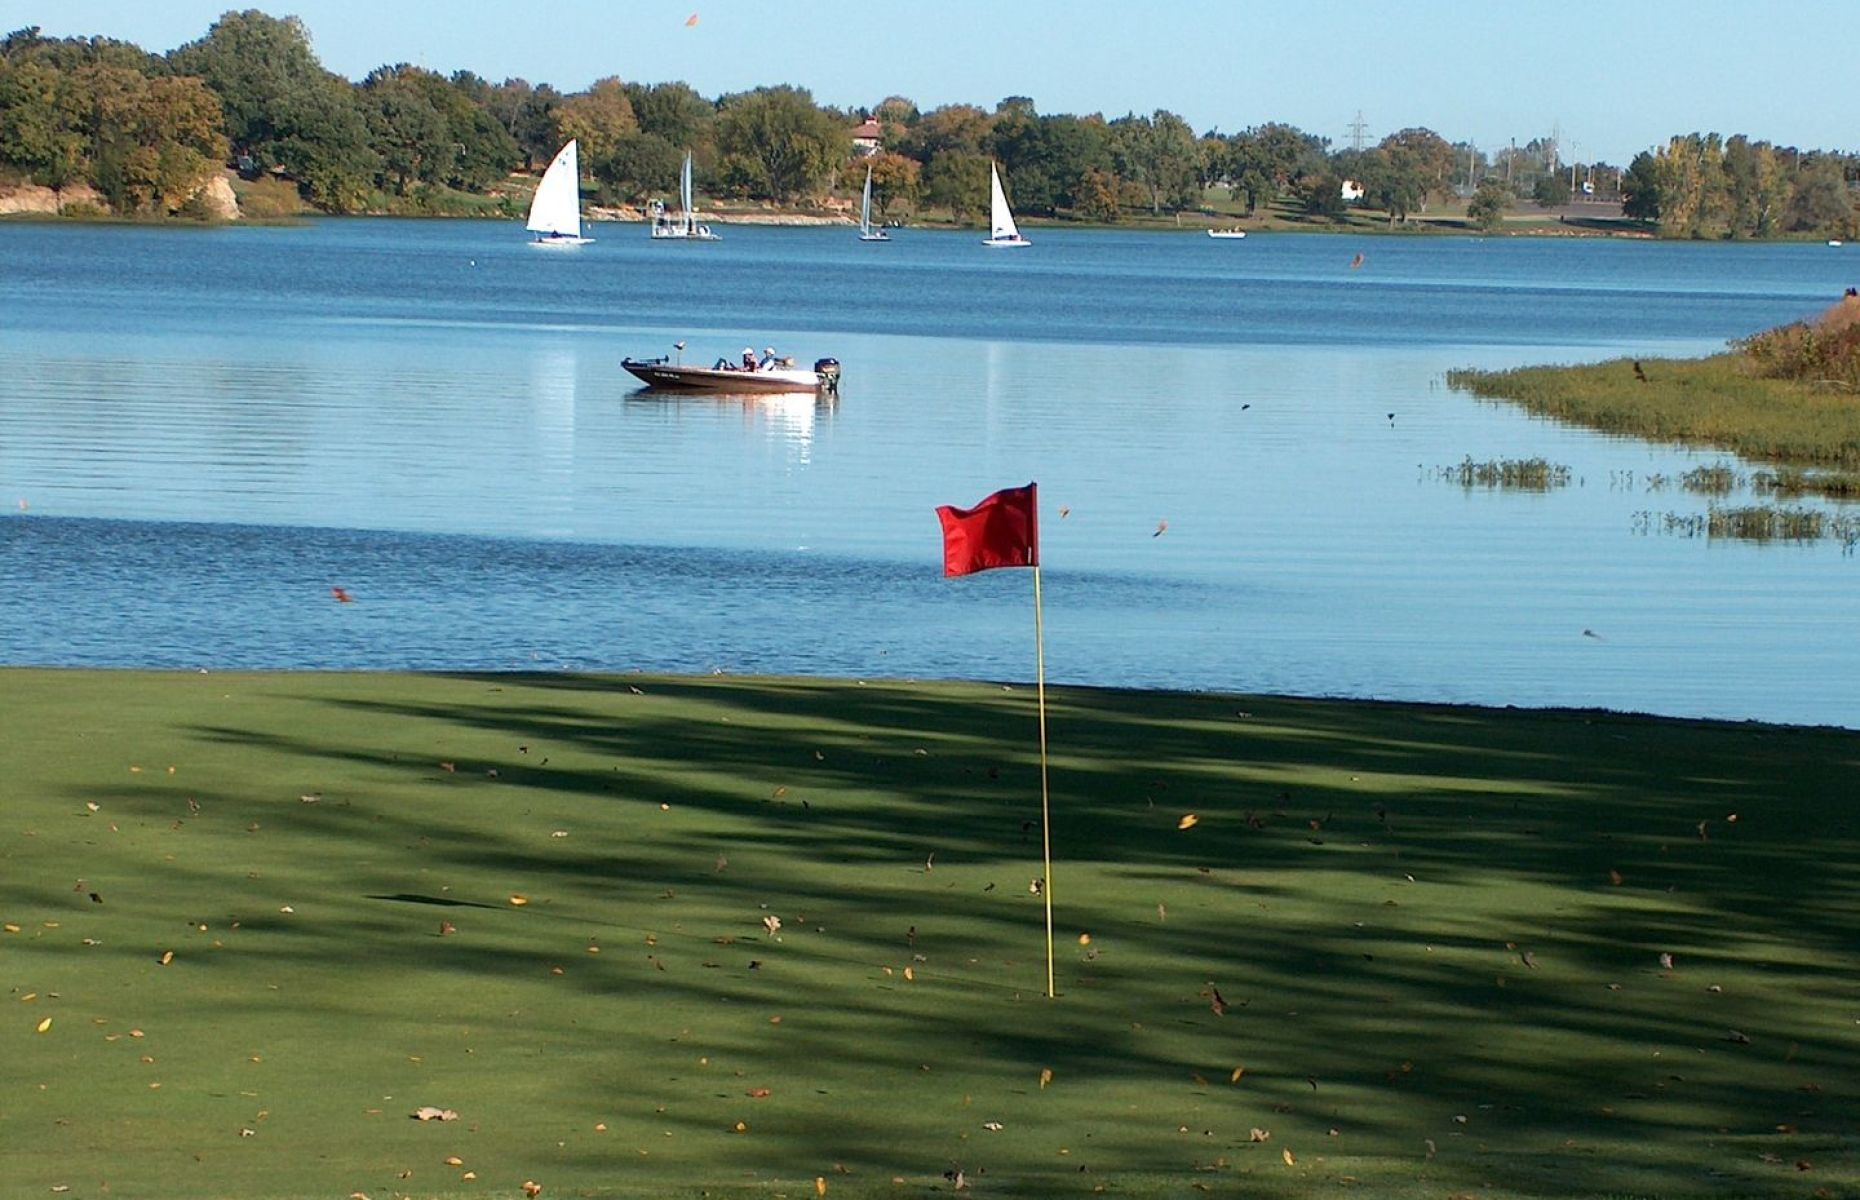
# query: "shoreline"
(1132, 692)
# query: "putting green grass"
(548, 904)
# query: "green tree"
(1819, 202)
(1640, 189)
(1426, 156)
(407, 132)
(958, 181)
(1551, 190)
(282, 108)
(1265, 159)
(954, 128)
(789, 143)
(39, 116)
(484, 152)
(528, 116)
(1487, 207)
(154, 142)
(1320, 193)
(639, 166)
(1161, 153)
(1392, 181)
(674, 112)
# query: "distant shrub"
(269, 199)
(1825, 350)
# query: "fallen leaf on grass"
(1046, 1076)
(1235, 1077)
(820, 1185)
(532, 1189)
(45, 1026)
(167, 957)
(1256, 1134)
(1291, 1160)
(454, 1161)
(1188, 821)
(992, 1126)
(758, 1093)
(429, 1113)
(519, 900)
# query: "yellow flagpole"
(1046, 817)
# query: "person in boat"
(749, 358)
(769, 361)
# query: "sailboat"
(686, 227)
(1001, 228)
(555, 210)
(866, 232)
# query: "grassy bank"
(262, 919)
(1783, 398)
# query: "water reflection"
(787, 419)
(552, 418)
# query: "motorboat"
(1226, 233)
(769, 374)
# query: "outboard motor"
(828, 369)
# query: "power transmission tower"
(1357, 129)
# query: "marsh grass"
(1507, 474)
(1436, 933)
(1756, 523)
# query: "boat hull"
(1006, 243)
(561, 241)
(686, 378)
(1226, 233)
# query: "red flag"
(1001, 531)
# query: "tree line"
(147, 130)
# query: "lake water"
(202, 432)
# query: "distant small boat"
(1226, 233)
(1834, 241)
(866, 232)
(555, 210)
(686, 228)
(726, 377)
(1001, 228)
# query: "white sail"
(1001, 228)
(684, 197)
(866, 232)
(555, 211)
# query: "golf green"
(668, 937)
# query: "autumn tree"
(597, 118)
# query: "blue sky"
(1616, 76)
